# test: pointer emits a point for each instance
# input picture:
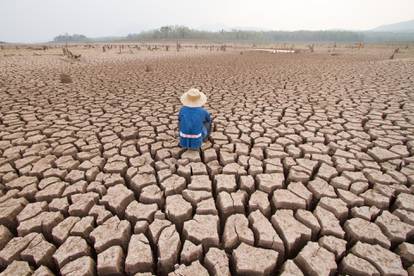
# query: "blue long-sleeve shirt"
(192, 123)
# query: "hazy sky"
(41, 20)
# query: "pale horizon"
(41, 21)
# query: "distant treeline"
(182, 32)
(71, 38)
(185, 33)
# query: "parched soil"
(309, 169)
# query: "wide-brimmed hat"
(193, 98)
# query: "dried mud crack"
(309, 169)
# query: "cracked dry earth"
(309, 169)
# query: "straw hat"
(193, 98)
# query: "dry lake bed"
(309, 169)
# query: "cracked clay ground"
(309, 169)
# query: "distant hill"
(401, 27)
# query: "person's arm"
(208, 117)
(179, 121)
(207, 122)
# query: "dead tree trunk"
(394, 53)
(311, 48)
